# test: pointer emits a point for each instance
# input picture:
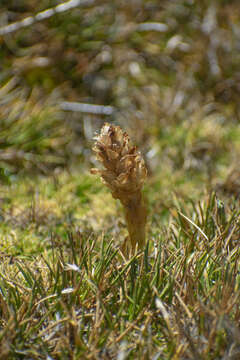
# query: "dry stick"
(124, 173)
(28, 21)
(87, 108)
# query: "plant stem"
(136, 217)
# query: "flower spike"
(124, 173)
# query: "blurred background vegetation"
(169, 69)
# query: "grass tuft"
(82, 299)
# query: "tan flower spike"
(124, 173)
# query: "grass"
(67, 292)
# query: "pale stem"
(136, 216)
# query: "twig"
(152, 26)
(87, 108)
(30, 20)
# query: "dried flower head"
(124, 173)
(124, 169)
